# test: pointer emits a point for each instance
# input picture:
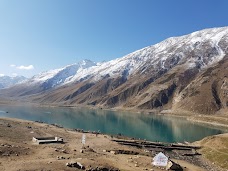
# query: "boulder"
(173, 166)
(76, 164)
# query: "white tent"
(160, 160)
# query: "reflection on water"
(150, 127)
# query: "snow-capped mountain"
(162, 55)
(175, 48)
(57, 77)
(7, 81)
(169, 74)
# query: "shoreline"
(215, 121)
(98, 154)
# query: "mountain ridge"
(153, 77)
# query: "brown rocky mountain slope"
(188, 73)
(203, 92)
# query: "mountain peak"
(86, 63)
(53, 78)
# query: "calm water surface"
(150, 127)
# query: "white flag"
(83, 138)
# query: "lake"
(149, 127)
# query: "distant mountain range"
(7, 81)
(188, 73)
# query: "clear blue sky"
(38, 35)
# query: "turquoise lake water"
(149, 127)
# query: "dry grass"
(215, 149)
